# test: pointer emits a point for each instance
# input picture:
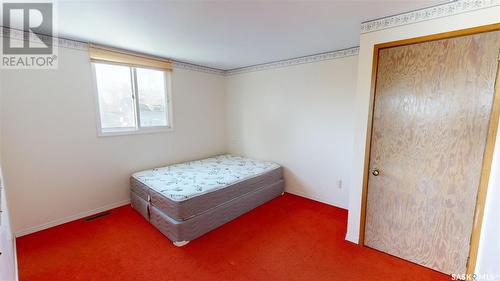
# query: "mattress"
(185, 190)
(188, 230)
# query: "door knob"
(375, 172)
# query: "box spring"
(189, 229)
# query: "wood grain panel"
(432, 107)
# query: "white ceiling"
(225, 34)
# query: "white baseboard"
(352, 238)
(315, 198)
(16, 270)
(70, 218)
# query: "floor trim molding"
(70, 218)
(16, 269)
(352, 238)
(314, 198)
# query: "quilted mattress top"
(180, 182)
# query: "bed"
(187, 200)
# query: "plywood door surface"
(432, 106)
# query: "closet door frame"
(490, 140)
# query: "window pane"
(152, 97)
(116, 104)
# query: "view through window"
(131, 98)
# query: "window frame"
(137, 129)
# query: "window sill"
(142, 131)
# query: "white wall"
(367, 42)
(302, 117)
(8, 267)
(55, 165)
(488, 260)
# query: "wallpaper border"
(439, 11)
(443, 10)
(296, 61)
(83, 46)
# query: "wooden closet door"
(433, 102)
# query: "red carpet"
(289, 238)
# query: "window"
(132, 99)
(133, 91)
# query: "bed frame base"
(180, 243)
(181, 232)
